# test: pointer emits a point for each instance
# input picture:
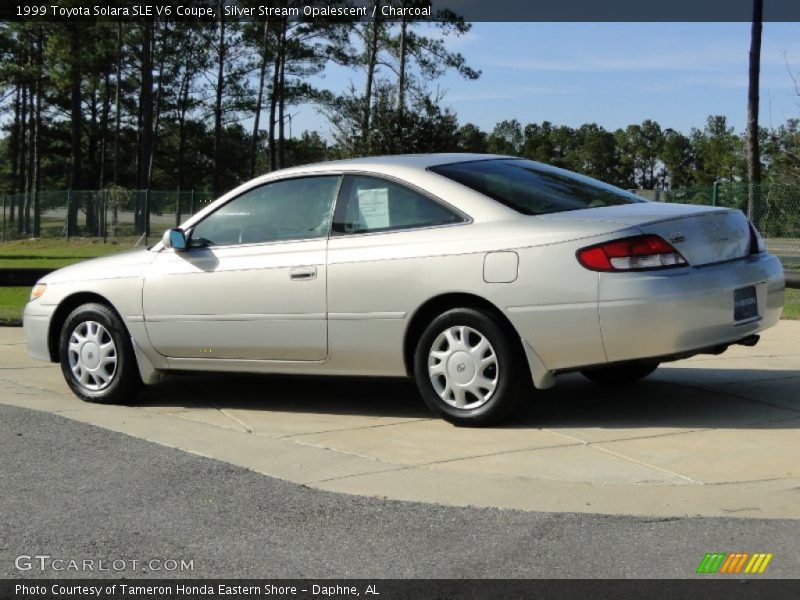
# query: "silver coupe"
(481, 276)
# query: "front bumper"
(652, 314)
(36, 323)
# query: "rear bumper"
(652, 314)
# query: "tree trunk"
(217, 185)
(23, 162)
(31, 159)
(117, 102)
(261, 76)
(104, 128)
(401, 87)
(182, 110)
(372, 58)
(91, 213)
(14, 147)
(157, 120)
(37, 133)
(753, 155)
(282, 102)
(273, 105)
(75, 182)
(146, 106)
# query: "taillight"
(637, 253)
(757, 245)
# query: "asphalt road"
(77, 492)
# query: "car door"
(385, 257)
(252, 282)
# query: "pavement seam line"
(33, 387)
(337, 451)
(67, 411)
(745, 398)
(580, 443)
(340, 477)
(179, 416)
(645, 464)
(188, 388)
(767, 480)
(357, 428)
(625, 439)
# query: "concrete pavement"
(708, 436)
(72, 491)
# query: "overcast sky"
(612, 74)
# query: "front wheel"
(468, 370)
(97, 357)
(620, 374)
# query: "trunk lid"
(702, 234)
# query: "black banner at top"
(396, 10)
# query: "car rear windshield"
(533, 188)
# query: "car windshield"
(533, 188)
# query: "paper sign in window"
(373, 205)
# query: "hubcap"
(92, 356)
(463, 367)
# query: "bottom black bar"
(394, 589)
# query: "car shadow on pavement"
(671, 397)
(364, 396)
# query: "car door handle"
(303, 273)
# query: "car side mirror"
(175, 239)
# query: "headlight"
(38, 290)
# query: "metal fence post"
(146, 215)
(714, 192)
(69, 213)
(37, 213)
(104, 215)
(5, 199)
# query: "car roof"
(389, 162)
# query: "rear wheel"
(620, 374)
(97, 357)
(468, 370)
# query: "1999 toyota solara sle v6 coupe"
(481, 276)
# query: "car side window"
(370, 204)
(292, 209)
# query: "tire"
(97, 357)
(620, 374)
(448, 372)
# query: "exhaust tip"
(750, 340)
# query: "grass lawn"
(12, 301)
(55, 253)
(791, 304)
(49, 254)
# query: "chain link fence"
(775, 211)
(135, 217)
(115, 214)
(120, 214)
